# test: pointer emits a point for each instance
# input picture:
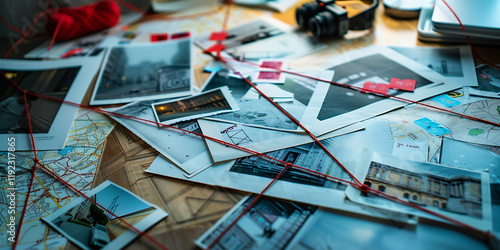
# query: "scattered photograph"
(257, 139)
(456, 63)
(292, 185)
(488, 79)
(66, 80)
(457, 193)
(205, 104)
(343, 106)
(258, 111)
(97, 223)
(310, 156)
(172, 144)
(476, 157)
(137, 72)
(270, 223)
(268, 33)
(267, 73)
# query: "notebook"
(481, 18)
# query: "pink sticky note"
(181, 35)
(406, 84)
(156, 37)
(375, 88)
(215, 48)
(271, 64)
(218, 36)
(269, 75)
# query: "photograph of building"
(206, 102)
(458, 194)
(54, 83)
(309, 156)
(140, 71)
(269, 224)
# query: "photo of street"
(94, 227)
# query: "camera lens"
(324, 24)
(305, 12)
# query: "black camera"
(326, 18)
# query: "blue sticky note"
(433, 127)
(212, 69)
(446, 100)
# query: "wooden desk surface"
(193, 208)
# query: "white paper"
(220, 175)
(128, 206)
(344, 106)
(260, 112)
(137, 72)
(456, 63)
(256, 139)
(57, 128)
(459, 194)
(186, 151)
(410, 149)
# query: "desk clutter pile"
(381, 147)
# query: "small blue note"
(433, 127)
(446, 100)
(212, 69)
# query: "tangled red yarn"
(72, 22)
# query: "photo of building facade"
(309, 156)
(458, 194)
(269, 224)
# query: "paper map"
(76, 164)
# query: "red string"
(413, 205)
(59, 24)
(186, 131)
(37, 162)
(296, 122)
(132, 7)
(216, 140)
(369, 91)
(356, 185)
(254, 201)
(26, 34)
(10, 26)
(32, 172)
(141, 233)
(476, 54)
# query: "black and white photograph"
(457, 193)
(309, 156)
(98, 222)
(138, 72)
(259, 111)
(66, 80)
(488, 79)
(456, 63)
(343, 106)
(211, 102)
(264, 35)
(269, 223)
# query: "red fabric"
(78, 21)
